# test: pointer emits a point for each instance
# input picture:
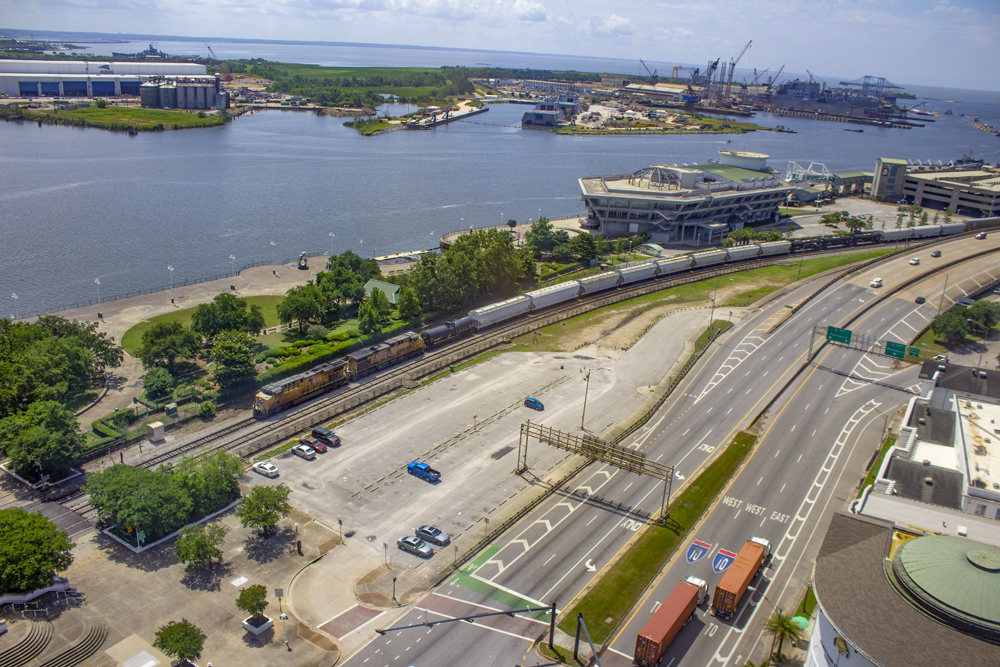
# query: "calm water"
(79, 204)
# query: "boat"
(847, 129)
(948, 113)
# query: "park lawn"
(307, 71)
(621, 585)
(133, 337)
(139, 118)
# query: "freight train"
(283, 394)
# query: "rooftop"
(986, 180)
(890, 160)
(980, 421)
(854, 592)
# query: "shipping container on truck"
(668, 620)
(747, 565)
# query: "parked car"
(415, 546)
(265, 468)
(981, 235)
(327, 436)
(314, 443)
(936, 253)
(305, 451)
(875, 283)
(920, 299)
(434, 535)
(534, 404)
(915, 261)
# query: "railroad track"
(436, 360)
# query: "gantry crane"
(732, 66)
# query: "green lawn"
(622, 584)
(123, 118)
(133, 337)
(870, 477)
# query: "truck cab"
(766, 544)
(702, 586)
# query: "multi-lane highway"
(815, 441)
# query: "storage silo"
(209, 98)
(170, 96)
(201, 98)
(149, 95)
(182, 97)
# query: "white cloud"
(527, 10)
(613, 25)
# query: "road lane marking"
(551, 557)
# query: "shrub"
(206, 410)
(201, 114)
(158, 382)
(354, 334)
(338, 337)
(316, 331)
(102, 104)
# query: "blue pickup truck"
(423, 471)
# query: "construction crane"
(652, 75)
(812, 79)
(732, 66)
(223, 68)
(708, 77)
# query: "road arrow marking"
(590, 566)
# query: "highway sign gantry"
(837, 335)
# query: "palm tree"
(780, 626)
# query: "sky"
(949, 43)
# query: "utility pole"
(585, 392)
(941, 303)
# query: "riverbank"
(117, 118)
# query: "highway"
(814, 445)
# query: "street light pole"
(941, 303)
(171, 270)
(272, 252)
(13, 296)
(712, 314)
(232, 264)
(585, 392)
(985, 334)
(331, 235)
(97, 281)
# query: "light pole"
(586, 391)
(232, 264)
(331, 235)
(284, 630)
(712, 313)
(170, 271)
(777, 609)
(487, 527)
(272, 252)
(394, 591)
(941, 302)
(97, 281)
(986, 333)
(13, 296)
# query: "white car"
(265, 468)
(875, 283)
(305, 451)
(915, 261)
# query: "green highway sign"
(914, 352)
(897, 350)
(838, 335)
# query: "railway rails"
(258, 434)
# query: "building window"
(981, 510)
(997, 517)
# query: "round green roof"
(954, 574)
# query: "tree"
(212, 481)
(197, 545)
(253, 601)
(263, 507)
(182, 640)
(373, 313)
(586, 246)
(153, 503)
(165, 342)
(923, 219)
(781, 626)
(789, 231)
(899, 220)
(986, 313)
(226, 312)
(32, 550)
(409, 305)
(233, 353)
(541, 235)
(300, 304)
(855, 225)
(937, 217)
(947, 215)
(42, 442)
(951, 326)
(158, 382)
(563, 253)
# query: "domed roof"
(955, 577)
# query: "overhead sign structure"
(897, 350)
(838, 335)
(723, 560)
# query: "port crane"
(223, 68)
(677, 70)
(732, 66)
(708, 77)
(773, 81)
(652, 74)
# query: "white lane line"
(548, 559)
(478, 625)
(738, 513)
(776, 453)
(798, 459)
(759, 481)
(782, 488)
(591, 519)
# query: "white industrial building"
(84, 78)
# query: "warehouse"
(84, 78)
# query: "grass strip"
(607, 603)
(805, 608)
(280, 449)
(870, 477)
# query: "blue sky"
(953, 43)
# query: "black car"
(326, 435)
(920, 299)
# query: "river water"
(78, 204)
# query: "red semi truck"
(668, 620)
(747, 565)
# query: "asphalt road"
(817, 438)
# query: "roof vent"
(926, 462)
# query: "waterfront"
(81, 204)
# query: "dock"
(436, 118)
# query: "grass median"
(607, 603)
(870, 477)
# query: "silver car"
(305, 451)
(265, 468)
(433, 535)
(416, 546)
